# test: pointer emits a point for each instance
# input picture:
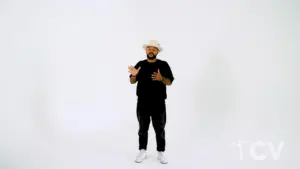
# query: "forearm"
(133, 79)
(166, 81)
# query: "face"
(151, 52)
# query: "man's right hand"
(133, 71)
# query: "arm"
(166, 81)
(167, 76)
(134, 72)
(132, 79)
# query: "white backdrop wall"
(66, 101)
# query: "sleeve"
(168, 72)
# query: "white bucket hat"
(153, 43)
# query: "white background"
(66, 101)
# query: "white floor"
(117, 148)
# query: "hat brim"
(158, 47)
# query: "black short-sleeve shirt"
(147, 88)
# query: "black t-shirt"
(148, 89)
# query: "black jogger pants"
(155, 111)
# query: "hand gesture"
(157, 76)
(132, 70)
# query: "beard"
(151, 58)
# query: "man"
(152, 75)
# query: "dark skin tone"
(156, 76)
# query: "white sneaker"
(141, 157)
(162, 158)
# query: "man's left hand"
(157, 76)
